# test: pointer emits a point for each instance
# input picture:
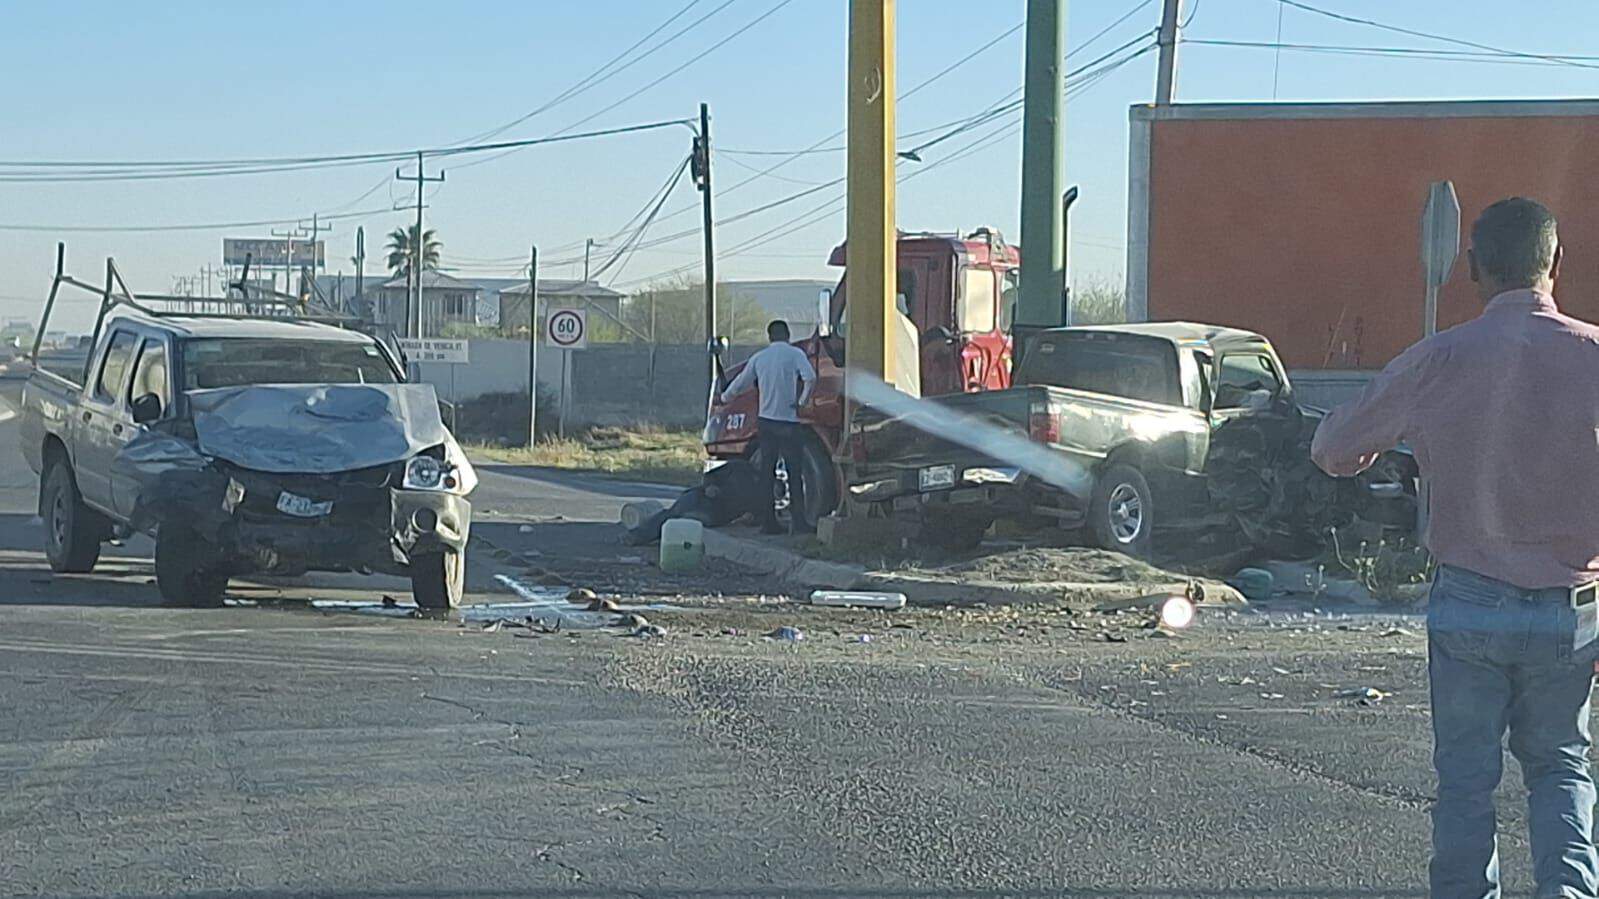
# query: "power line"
(125, 171)
(1400, 52)
(1459, 42)
(209, 226)
(599, 76)
(691, 61)
(1088, 78)
(1137, 7)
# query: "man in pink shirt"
(1502, 413)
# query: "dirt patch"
(1076, 576)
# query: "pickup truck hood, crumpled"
(316, 428)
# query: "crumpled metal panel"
(315, 429)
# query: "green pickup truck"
(1125, 432)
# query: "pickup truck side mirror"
(146, 409)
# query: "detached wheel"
(1121, 511)
(180, 574)
(71, 529)
(438, 580)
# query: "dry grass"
(635, 454)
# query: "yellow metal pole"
(870, 239)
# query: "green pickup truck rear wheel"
(1121, 511)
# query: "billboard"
(272, 251)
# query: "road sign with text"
(433, 349)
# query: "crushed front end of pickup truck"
(285, 479)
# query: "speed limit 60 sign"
(567, 329)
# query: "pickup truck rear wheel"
(1121, 511)
(71, 529)
(438, 580)
(179, 573)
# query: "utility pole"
(870, 241)
(413, 307)
(1166, 73)
(360, 263)
(288, 253)
(701, 165)
(588, 247)
(1042, 301)
(317, 257)
(533, 347)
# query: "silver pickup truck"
(247, 445)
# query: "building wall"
(1308, 229)
(609, 383)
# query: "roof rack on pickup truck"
(244, 301)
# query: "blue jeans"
(1501, 657)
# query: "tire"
(438, 580)
(180, 577)
(72, 530)
(821, 486)
(1121, 511)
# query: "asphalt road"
(271, 749)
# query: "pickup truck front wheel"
(438, 580)
(71, 531)
(179, 574)
(1121, 512)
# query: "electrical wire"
(123, 171)
(821, 212)
(1397, 29)
(1137, 8)
(599, 76)
(1398, 52)
(209, 226)
(691, 61)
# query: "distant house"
(793, 300)
(553, 294)
(445, 300)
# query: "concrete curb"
(793, 569)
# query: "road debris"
(650, 632)
(786, 633)
(858, 599)
(1362, 695)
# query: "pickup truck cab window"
(1243, 374)
(114, 368)
(241, 361)
(1129, 367)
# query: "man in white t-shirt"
(783, 376)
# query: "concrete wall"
(608, 383)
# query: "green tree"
(678, 310)
(1099, 300)
(401, 241)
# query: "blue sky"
(99, 80)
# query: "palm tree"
(401, 242)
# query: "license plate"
(302, 507)
(935, 477)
